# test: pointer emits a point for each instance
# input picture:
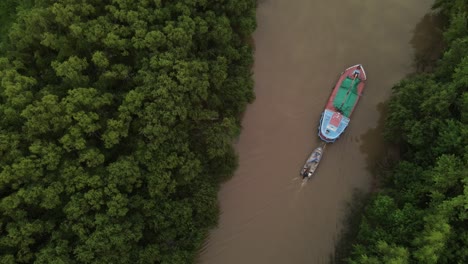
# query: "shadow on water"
(353, 215)
(380, 155)
(377, 156)
(427, 42)
(372, 139)
(428, 46)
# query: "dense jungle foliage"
(421, 214)
(116, 124)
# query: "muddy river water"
(301, 47)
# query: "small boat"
(342, 102)
(312, 163)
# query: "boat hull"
(341, 103)
(312, 163)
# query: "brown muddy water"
(301, 47)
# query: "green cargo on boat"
(346, 96)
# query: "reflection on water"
(301, 47)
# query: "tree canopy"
(116, 123)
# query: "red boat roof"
(336, 119)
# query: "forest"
(420, 213)
(117, 123)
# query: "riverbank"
(418, 214)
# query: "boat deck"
(347, 96)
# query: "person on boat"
(356, 72)
(315, 158)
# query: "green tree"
(117, 123)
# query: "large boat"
(342, 102)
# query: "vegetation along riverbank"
(117, 122)
(419, 214)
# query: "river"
(300, 48)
